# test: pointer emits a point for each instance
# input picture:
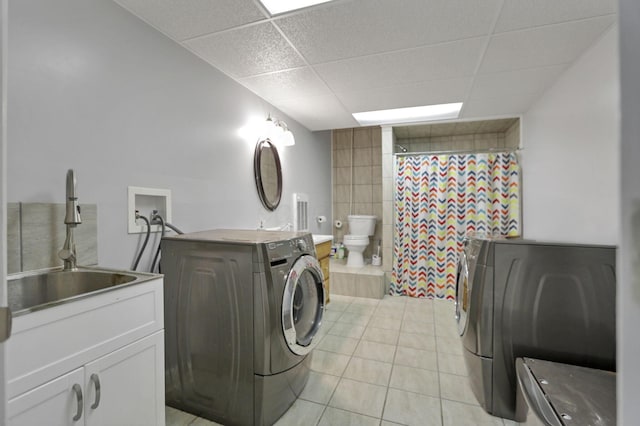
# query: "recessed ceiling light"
(409, 115)
(280, 6)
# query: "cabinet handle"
(78, 390)
(96, 382)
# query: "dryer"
(242, 312)
(517, 298)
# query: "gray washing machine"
(242, 311)
(517, 298)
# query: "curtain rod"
(459, 151)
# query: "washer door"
(463, 290)
(303, 305)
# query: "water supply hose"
(155, 258)
(170, 226)
(146, 240)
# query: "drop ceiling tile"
(356, 28)
(537, 47)
(317, 112)
(181, 20)
(287, 84)
(492, 126)
(519, 14)
(247, 51)
(428, 93)
(525, 81)
(496, 107)
(439, 62)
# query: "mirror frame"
(262, 144)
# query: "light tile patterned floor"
(396, 361)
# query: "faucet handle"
(66, 254)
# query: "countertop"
(319, 239)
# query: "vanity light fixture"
(278, 132)
(276, 7)
(286, 139)
(409, 115)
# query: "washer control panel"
(292, 248)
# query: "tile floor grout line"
(395, 352)
(438, 366)
(324, 410)
(393, 364)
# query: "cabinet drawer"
(323, 249)
(49, 343)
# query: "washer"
(242, 313)
(517, 298)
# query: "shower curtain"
(438, 200)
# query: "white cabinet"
(131, 382)
(91, 377)
(55, 403)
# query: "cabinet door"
(55, 403)
(131, 385)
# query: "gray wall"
(93, 88)
(629, 253)
(570, 161)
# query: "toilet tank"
(361, 224)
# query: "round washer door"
(463, 291)
(303, 305)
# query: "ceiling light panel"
(409, 115)
(276, 7)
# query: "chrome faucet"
(71, 219)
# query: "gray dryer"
(518, 298)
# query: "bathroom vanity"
(95, 358)
(323, 250)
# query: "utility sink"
(42, 289)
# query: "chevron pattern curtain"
(438, 200)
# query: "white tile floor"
(396, 361)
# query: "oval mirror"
(268, 174)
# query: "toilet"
(360, 228)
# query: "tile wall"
(512, 136)
(36, 232)
(357, 179)
(471, 142)
(370, 176)
(471, 136)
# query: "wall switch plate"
(145, 201)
